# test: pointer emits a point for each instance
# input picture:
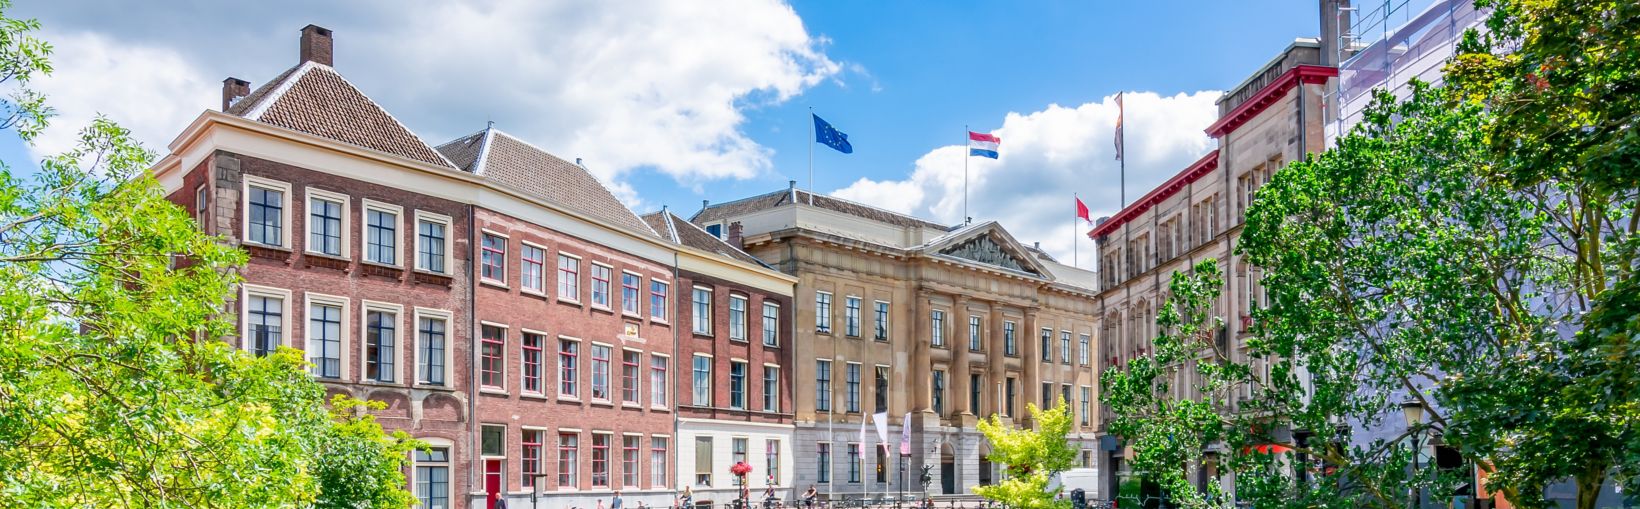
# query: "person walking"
(615, 503)
(497, 502)
(809, 496)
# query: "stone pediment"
(987, 250)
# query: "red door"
(494, 476)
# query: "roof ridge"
(732, 202)
(485, 137)
(279, 90)
(714, 237)
(874, 207)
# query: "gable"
(985, 249)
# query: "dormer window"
(716, 229)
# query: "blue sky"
(672, 102)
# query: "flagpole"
(1076, 243)
(965, 135)
(811, 155)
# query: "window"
(600, 376)
(431, 242)
(657, 462)
(975, 340)
(1047, 345)
(657, 380)
(882, 388)
(493, 259)
(324, 341)
(630, 366)
(737, 385)
(703, 381)
(822, 386)
(569, 277)
(493, 342)
(882, 463)
(657, 300)
(882, 321)
(703, 461)
(201, 207)
(431, 334)
(629, 292)
(737, 318)
(1083, 352)
(854, 462)
(771, 324)
(1008, 409)
(851, 316)
(771, 457)
(264, 324)
(569, 353)
(939, 392)
(492, 440)
(771, 388)
(976, 393)
(530, 457)
(265, 221)
(532, 264)
(822, 460)
(381, 345)
(381, 235)
(1065, 394)
(1085, 403)
(601, 274)
(1010, 346)
(532, 346)
(569, 445)
(325, 212)
(853, 382)
(938, 330)
(702, 310)
(629, 460)
(737, 450)
(822, 312)
(1065, 346)
(433, 478)
(1047, 396)
(600, 460)
(715, 229)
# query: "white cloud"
(625, 85)
(153, 91)
(1045, 157)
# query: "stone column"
(995, 360)
(921, 363)
(957, 388)
(1032, 376)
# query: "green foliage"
(115, 387)
(1033, 458)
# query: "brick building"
(735, 364)
(1273, 118)
(501, 302)
(899, 315)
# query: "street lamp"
(1413, 411)
(535, 491)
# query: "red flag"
(1082, 211)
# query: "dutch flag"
(983, 145)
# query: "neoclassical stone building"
(900, 315)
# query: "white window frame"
(449, 339)
(667, 387)
(767, 304)
(365, 307)
(546, 254)
(547, 365)
(609, 373)
(431, 217)
(694, 314)
(745, 317)
(284, 209)
(201, 211)
(666, 301)
(478, 358)
(558, 274)
(637, 311)
(609, 290)
(248, 290)
(309, 300)
(710, 368)
(583, 365)
(365, 206)
(478, 258)
(449, 466)
(764, 380)
(309, 195)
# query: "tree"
(1033, 457)
(115, 388)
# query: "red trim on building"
(1192, 173)
(1306, 74)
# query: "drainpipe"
(677, 363)
(472, 357)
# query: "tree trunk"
(1588, 486)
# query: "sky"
(671, 103)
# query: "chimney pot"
(233, 89)
(317, 46)
(704, 203)
(735, 237)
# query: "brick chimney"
(317, 46)
(735, 238)
(233, 89)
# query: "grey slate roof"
(719, 211)
(513, 162)
(680, 231)
(314, 99)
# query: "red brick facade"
(723, 351)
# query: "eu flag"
(827, 135)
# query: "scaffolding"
(1385, 44)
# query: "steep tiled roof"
(784, 197)
(314, 99)
(680, 231)
(513, 162)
